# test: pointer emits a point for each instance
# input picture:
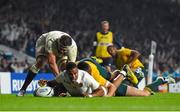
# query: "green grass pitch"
(160, 101)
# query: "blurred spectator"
(103, 39)
(19, 67)
(4, 65)
(137, 22)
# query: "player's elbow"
(135, 54)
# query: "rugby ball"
(44, 91)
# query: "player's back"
(53, 35)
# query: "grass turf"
(156, 102)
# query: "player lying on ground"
(54, 47)
(122, 89)
(77, 82)
(95, 72)
(97, 69)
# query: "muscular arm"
(52, 64)
(133, 56)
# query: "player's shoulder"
(98, 33)
(110, 32)
(86, 77)
(83, 74)
(124, 49)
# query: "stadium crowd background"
(137, 22)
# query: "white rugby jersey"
(51, 46)
(85, 83)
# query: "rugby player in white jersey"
(79, 82)
(55, 48)
(76, 82)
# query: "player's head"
(84, 66)
(112, 50)
(105, 26)
(72, 71)
(64, 42)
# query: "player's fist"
(42, 82)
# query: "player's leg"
(139, 73)
(125, 90)
(132, 91)
(160, 80)
(121, 90)
(119, 77)
(130, 75)
(40, 61)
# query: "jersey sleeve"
(92, 82)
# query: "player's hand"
(42, 82)
(63, 94)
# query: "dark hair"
(70, 66)
(83, 66)
(65, 40)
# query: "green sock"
(154, 86)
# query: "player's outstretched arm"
(52, 64)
